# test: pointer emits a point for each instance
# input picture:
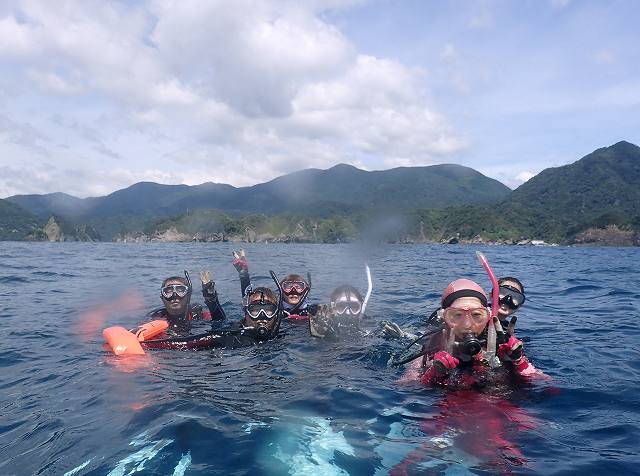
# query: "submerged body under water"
(299, 405)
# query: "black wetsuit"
(228, 338)
(234, 336)
(182, 324)
(300, 309)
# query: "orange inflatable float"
(124, 342)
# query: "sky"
(98, 95)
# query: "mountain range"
(561, 204)
(342, 189)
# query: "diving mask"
(348, 305)
(179, 290)
(510, 296)
(291, 287)
(261, 310)
(457, 317)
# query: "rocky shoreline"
(56, 230)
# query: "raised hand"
(208, 286)
(240, 262)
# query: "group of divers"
(470, 333)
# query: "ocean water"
(299, 405)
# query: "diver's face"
(466, 315)
(261, 320)
(292, 298)
(503, 309)
(174, 304)
(293, 290)
(347, 305)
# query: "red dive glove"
(240, 262)
(443, 363)
(512, 351)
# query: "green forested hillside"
(340, 190)
(596, 199)
(599, 189)
(15, 222)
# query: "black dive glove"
(208, 286)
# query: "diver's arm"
(245, 282)
(215, 311)
(242, 266)
(215, 339)
(391, 330)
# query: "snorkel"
(369, 289)
(275, 328)
(464, 347)
(188, 278)
(494, 327)
(470, 345)
(494, 283)
(190, 284)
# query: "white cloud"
(524, 176)
(51, 82)
(240, 91)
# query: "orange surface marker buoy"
(122, 341)
(151, 329)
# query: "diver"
(464, 343)
(177, 310)
(294, 287)
(262, 315)
(511, 297)
(344, 313)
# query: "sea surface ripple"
(298, 405)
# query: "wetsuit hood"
(462, 288)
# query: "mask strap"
(369, 289)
